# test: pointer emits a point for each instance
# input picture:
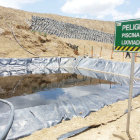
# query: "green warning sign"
(127, 36)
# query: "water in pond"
(41, 89)
(45, 100)
(28, 84)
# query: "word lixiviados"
(130, 42)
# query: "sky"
(108, 10)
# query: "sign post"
(127, 39)
(130, 91)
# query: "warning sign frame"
(127, 36)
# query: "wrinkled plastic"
(36, 111)
(15, 66)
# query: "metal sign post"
(127, 39)
(130, 91)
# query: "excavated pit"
(45, 91)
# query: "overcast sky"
(92, 9)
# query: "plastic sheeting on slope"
(108, 66)
(15, 66)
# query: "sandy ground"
(108, 123)
(20, 17)
(45, 45)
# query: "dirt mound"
(20, 17)
(26, 41)
(39, 44)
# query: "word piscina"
(130, 35)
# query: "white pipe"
(10, 122)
